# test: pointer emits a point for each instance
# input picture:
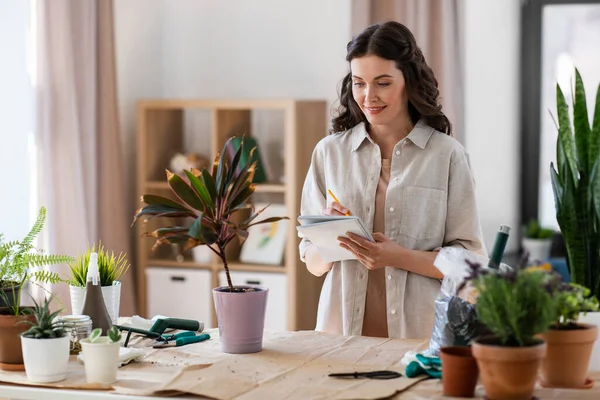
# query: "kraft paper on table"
(292, 365)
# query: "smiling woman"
(392, 161)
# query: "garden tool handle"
(191, 339)
(176, 323)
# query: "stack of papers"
(323, 231)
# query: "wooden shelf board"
(237, 266)
(218, 104)
(260, 187)
(176, 264)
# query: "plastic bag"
(455, 322)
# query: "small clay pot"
(459, 371)
(11, 355)
(508, 372)
(568, 356)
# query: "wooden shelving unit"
(161, 134)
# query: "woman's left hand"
(371, 255)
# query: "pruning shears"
(179, 339)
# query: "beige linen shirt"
(430, 203)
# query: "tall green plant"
(576, 186)
(110, 267)
(17, 258)
(211, 199)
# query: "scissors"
(369, 375)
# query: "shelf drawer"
(276, 317)
(180, 293)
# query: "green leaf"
(152, 199)
(221, 180)
(95, 335)
(184, 192)
(155, 210)
(209, 183)
(202, 191)
(581, 123)
(267, 221)
(565, 134)
(594, 142)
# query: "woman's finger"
(338, 207)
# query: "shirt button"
(392, 209)
(397, 152)
(395, 179)
(389, 276)
(393, 311)
(368, 209)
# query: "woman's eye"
(383, 84)
(358, 84)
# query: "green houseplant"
(515, 306)
(537, 241)
(45, 346)
(212, 199)
(111, 269)
(576, 186)
(17, 259)
(569, 342)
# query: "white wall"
(16, 116)
(492, 54)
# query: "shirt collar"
(419, 135)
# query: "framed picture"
(266, 242)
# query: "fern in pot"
(20, 264)
(211, 201)
(576, 186)
(111, 269)
(46, 346)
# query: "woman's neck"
(387, 136)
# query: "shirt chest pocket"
(423, 212)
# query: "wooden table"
(292, 365)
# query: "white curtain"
(81, 169)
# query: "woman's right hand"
(335, 208)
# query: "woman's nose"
(371, 94)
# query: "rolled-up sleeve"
(314, 191)
(462, 220)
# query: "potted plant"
(17, 258)
(101, 355)
(537, 241)
(212, 199)
(45, 346)
(569, 343)
(111, 269)
(515, 306)
(575, 182)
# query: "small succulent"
(114, 334)
(211, 199)
(534, 230)
(45, 326)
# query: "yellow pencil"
(335, 199)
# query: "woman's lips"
(375, 110)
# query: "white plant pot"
(538, 249)
(110, 294)
(101, 360)
(45, 360)
(593, 318)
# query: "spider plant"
(110, 267)
(211, 199)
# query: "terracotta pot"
(241, 318)
(568, 356)
(508, 373)
(11, 356)
(459, 371)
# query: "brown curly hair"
(393, 41)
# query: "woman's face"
(379, 89)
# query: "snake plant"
(211, 199)
(576, 186)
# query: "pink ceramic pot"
(241, 318)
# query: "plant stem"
(224, 260)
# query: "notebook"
(323, 231)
